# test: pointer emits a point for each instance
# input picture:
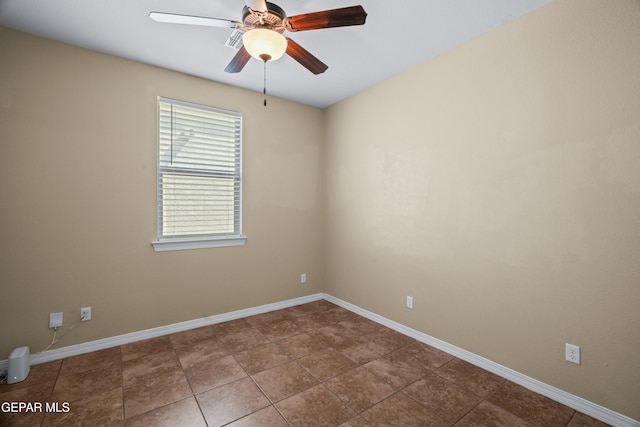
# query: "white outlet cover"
(409, 302)
(55, 320)
(572, 353)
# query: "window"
(199, 151)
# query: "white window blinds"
(198, 171)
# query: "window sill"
(179, 244)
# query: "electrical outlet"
(410, 302)
(572, 353)
(55, 320)
(85, 313)
(303, 278)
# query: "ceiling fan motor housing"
(273, 18)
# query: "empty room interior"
(494, 187)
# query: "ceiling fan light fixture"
(264, 44)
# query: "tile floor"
(314, 364)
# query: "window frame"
(197, 241)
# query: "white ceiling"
(396, 36)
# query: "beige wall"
(77, 198)
(499, 185)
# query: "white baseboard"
(586, 407)
(74, 350)
(579, 404)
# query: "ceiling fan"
(263, 24)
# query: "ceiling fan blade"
(173, 18)
(239, 61)
(343, 17)
(257, 5)
(305, 58)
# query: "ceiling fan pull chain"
(264, 86)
